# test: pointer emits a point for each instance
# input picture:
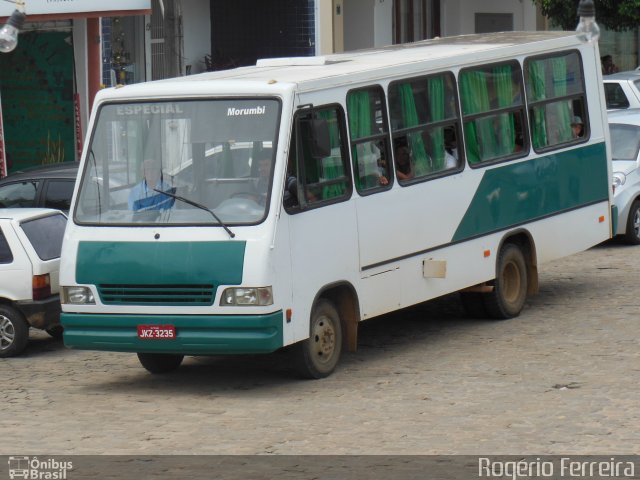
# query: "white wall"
(358, 24)
(458, 16)
(383, 23)
(196, 21)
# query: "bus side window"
(425, 125)
(369, 137)
(493, 112)
(556, 97)
(316, 177)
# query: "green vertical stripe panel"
(515, 193)
(160, 263)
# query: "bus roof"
(310, 73)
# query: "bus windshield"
(193, 162)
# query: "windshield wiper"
(197, 205)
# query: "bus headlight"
(77, 296)
(247, 296)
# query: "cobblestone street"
(561, 378)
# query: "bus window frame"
(305, 206)
(582, 97)
(426, 127)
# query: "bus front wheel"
(510, 286)
(318, 355)
(160, 362)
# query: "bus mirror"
(320, 141)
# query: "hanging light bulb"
(9, 33)
(587, 30)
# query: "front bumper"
(195, 334)
(41, 314)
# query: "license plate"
(157, 332)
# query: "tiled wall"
(244, 30)
(106, 51)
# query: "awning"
(44, 10)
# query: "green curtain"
(437, 110)
(563, 112)
(421, 161)
(475, 99)
(506, 140)
(537, 92)
(332, 166)
(359, 108)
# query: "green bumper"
(195, 334)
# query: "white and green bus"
(293, 199)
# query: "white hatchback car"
(30, 245)
(624, 127)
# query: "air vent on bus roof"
(295, 61)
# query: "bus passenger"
(577, 127)
(404, 167)
(450, 149)
(144, 196)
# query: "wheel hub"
(324, 338)
(7, 332)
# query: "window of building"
(555, 92)
(493, 112)
(369, 134)
(425, 126)
(318, 168)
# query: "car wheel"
(510, 286)
(318, 355)
(160, 362)
(14, 331)
(632, 233)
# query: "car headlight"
(247, 296)
(618, 179)
(77, 296)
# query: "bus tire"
(14, 331)
(318, 355)
(632, 232)
(510, 286)
(473, 304)
(160, 362)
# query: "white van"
(30, 244)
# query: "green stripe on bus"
(522, 192)
(185, 273)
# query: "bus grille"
(156, 294)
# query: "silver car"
(624, 126)
(622, 90)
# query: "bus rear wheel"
(318, 355)
(510, 286)
(160, 362)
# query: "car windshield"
(195, 162)
(45, 234)
(625, 141)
